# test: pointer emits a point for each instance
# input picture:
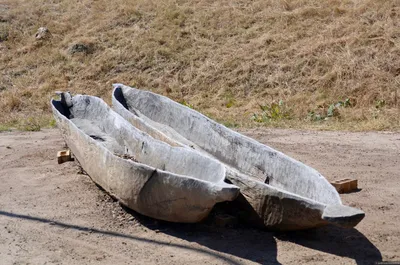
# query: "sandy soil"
(52, 214)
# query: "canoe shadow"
(260, 246)
(247, 244)
(162, 243)
(240, 241)
(337, 241)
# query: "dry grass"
(223, 57)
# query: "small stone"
(3, 34)
(81, 48)
(43, 33)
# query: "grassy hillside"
(317, 64)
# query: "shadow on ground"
(337, 241)
(245, 243)
(260, 246)
(263, 251)
(241, 241)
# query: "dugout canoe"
(147, 175)
(277, 191)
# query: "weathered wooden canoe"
(147, 175)
(276, 191)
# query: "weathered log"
(164, 182)
(277, 191)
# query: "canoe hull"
(265, 205)
(149, 191)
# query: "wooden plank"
(345, 185)
(64, 156)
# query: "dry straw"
(224, 57)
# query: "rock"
(81, 48)
(3, 19)
(3, 34)
(43, 33)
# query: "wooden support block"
(345, 185)
(64, 156)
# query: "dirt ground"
(53, 214)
